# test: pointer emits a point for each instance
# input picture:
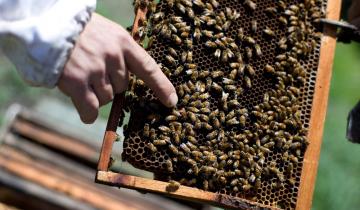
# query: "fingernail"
(173, 99)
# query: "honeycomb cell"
(145, 108)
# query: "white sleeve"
(38, 35)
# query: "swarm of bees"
(213, 140)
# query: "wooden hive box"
(316, 116)
(43, 168)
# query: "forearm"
(38, 39)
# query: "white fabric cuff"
(39, 45)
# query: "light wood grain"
(318, 112)
(184, 192)
(116, 108)
(60, 184)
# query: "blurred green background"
(338, 181)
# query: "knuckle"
(149, 65)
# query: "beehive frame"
(311, 157)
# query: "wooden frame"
(311, 158)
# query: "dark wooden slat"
(54, 140)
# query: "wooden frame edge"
(309, 170)
(318, 112)
(184, 192)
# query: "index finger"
(139, 62)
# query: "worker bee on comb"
(219, 65)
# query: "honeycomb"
(263, 152)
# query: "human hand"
(99, 67)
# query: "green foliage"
(338, 182)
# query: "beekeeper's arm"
(63, 43)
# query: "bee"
(204, 96)
(220, 44)
(178, 71)
(241, 34)
(150, 43)
(190, 12)
(246, 187)
(187, 3)
(290, 168)
(192, 116)
(189, 57)
(216, 88)
(208, 169)
(212, 135)
(173, 28)
(250, 40)
(164, 129)
(210, 44)
(192, 139)
(283, 20)
(170, 118)
(197, 34)
(158, 16)
(216, 74)
(169, 165)
(205, 110)
(226, 25)
(181, 7)
(184, 147)
(250, 70)
(242, 120)
(270, 33)
(208, 34)
(269, 69)
(199, 3)
(289, 12)
(189, 43)
(204, 74)
(172, 186)
(258, 51)
(206, 126)
(269, 144)
(232, 121)
(281, 57)
(250, 4)
(151, 147)
(211, 22)
(234, 46)
(282, 5)
(217, 53)
(254, 26)
(173, 149)
(227, 54)
(159, 142)
(170, 3)
(248, 52)
(173, 52)
(185, 28)
(214, 3)
(234, 103)
(230, 88)
(146, 131)
(234, 182)
(222, 117)
(197, 154)
(272, 11)
(227, 81)
(176, 39)
(176, 19)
